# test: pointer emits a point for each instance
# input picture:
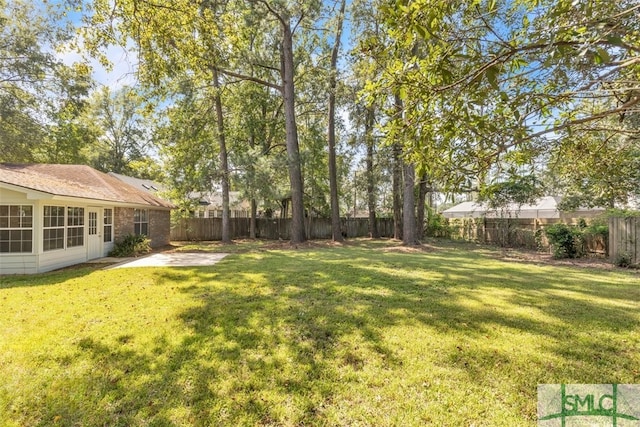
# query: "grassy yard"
(361, 334)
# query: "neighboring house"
(211, 205)
(53, 216)
(545, 207)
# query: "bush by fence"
(188, 229)
(516, 232)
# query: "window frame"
(59, 225)
(107, 225)
(75, 227)
(141, 222)
(19, 229)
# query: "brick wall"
(122, 222)
(159, 225)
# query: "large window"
(108, 225)
(53, 228)
(16, 228)
(62, 225)
(141, 221)
(75, 227)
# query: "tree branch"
(623, 108)
(250, 78)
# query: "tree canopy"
(502, 100)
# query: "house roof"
(544, 207)
(146, 185)
(76, 181)
(235, 200)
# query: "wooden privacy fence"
(515, 232)
(189, 229)
(624, 235)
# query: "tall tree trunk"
(371, 177)
(397, 180)
(422, 197)
(336, 232)
(409, 235)
(224, 163)
(291, 129)
(252, 221)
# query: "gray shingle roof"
(76, 181)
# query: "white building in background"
(211, 205)
(545, 207)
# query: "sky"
(122, 72)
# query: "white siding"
(52, 260)
(40, 261)
(18, 264)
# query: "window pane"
(108, 216)
(4, 222)
(4, 210)
(53, 239)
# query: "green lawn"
(362, 334)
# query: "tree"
(597, 164)
(184, 136)
(491, 79)
(364, 69)
(331, 133)
(256, 132)
(123, 135)
(40, 96)
(227, 36)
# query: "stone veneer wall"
(159, 225)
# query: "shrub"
(131, 245)
(566, 241)
(623, 259)
(437, 225)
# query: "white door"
(94, 243)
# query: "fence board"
(624, 236)
(194, 229)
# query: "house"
(53, 216)
(210, 205)
(544, 207)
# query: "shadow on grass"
(280, 339)
(49, 278)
